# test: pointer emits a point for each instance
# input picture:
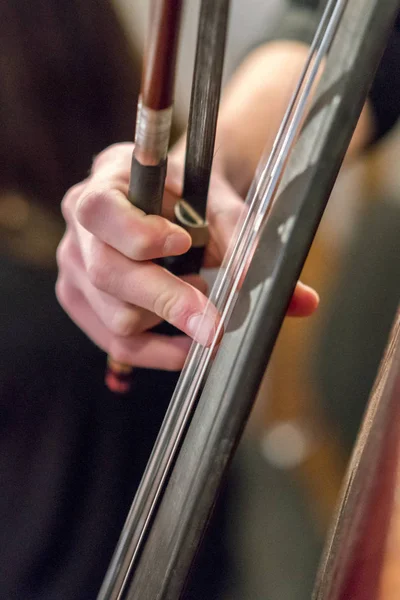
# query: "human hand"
(107, 281)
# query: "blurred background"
(69, 88)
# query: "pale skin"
(107, 281)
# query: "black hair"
(68, 88)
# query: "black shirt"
(71, 452)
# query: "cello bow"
(152, 135)
(190, 213)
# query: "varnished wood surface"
(160, 54)
(358, 557)
(389, 588)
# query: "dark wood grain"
(160, 54)
(205, 102)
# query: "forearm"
(254, 104)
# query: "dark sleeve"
(300, 22)
(385, 91)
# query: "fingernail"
(176, 243)
(202, 328)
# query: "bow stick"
(153, 128)
(190, 212)
(240, 363)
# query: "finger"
(119, 317)
(114, 164)
(106, 213)
(147, 350)
(152, 351)
(197, 281)
(118, 157)
(304, 302)
(104, 210)
(149, 286)
(70, 200)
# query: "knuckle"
(98, 267)
(63, 252)
(100, 275)
(111, 154)
(69, 201)
(60, 290)
(104, 156)
(172, 308)
(91, 204)
(68, 256)
(149, 236)
(143, 245)
(65, 293)
(124, 322)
